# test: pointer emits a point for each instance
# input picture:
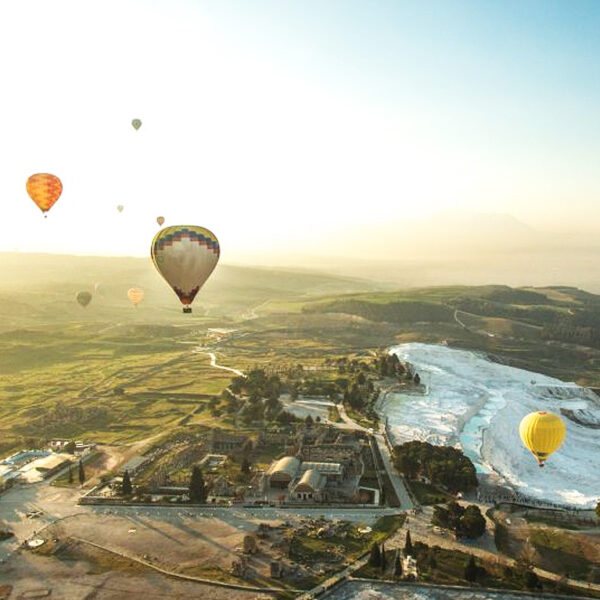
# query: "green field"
(111, 373)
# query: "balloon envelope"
(160, 220)
(542, 433)
(120, 208)
(84, 298)
(44, 189)
(185, 255)
(136, 124)
(135, 295)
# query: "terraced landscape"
(113, 374)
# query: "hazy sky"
(273, 122)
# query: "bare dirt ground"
(86, 574)
(183, 545)
(193, 545)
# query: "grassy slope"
(502, 321)
(61, 366)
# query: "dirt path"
(213, 363)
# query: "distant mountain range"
(37, 288)
(445, 249)
(454, 248)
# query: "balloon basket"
(187, 309)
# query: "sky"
(281, 124)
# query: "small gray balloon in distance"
(84, 298)
(136, 124)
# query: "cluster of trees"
(359, 392)
(378, 559)
(463, 521)
(257, 383)
(442, 465)
(535, 315)
(392, 312)
(80, 473)
(473, 571)
(568, 330)
(262, 392)
(524, 575)
(427, 560)
(389, 365)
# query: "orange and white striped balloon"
(135, 295)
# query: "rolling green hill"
(41, 288)
(114, 373)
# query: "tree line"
(441, 465)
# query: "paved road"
(58, 503)
(396, 479)
(241, 517)
(348, 421)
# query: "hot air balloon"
(84, 298)
(542, 433)
(135, 295)
(160, 221)
(44, 189)
(120, 208)
(136, 124)
(185, 255)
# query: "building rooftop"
(24, 456)
(8, 472)
(133, 463)
(288, 465)
(311, 480)
(47, 463)
(325, 468)
(37, 469)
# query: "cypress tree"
(383, 560)
(197, 486)
(126, 487)
(70, 474)
(81, 473)
(375, 558)
(397, 565)
(408, 547)
(471, 569)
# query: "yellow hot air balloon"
(185, 255)
(84, 298)
(160, 221)
(44, 189)
(135, 295)
(120, 208)
(542, 433)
